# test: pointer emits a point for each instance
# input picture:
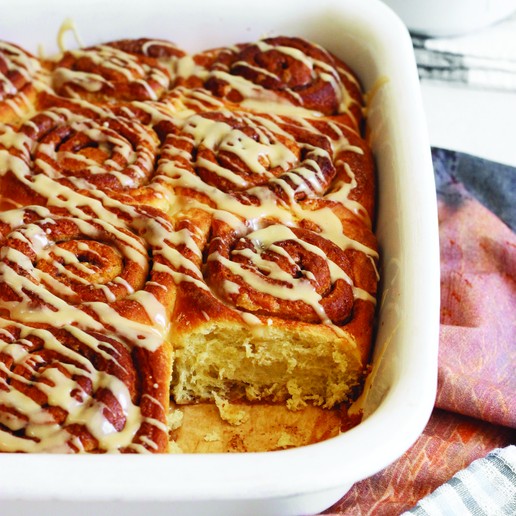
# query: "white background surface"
(480, 119)
(476, 121)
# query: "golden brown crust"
(262, 427)
(20, 73)
(123, 70)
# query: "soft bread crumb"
(175, 419)
(173, 447)
(212, 437)
(296, 401)
(285, 441)
(230, 413)
(269, 363)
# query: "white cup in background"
(450, 17)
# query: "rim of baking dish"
(390, 429)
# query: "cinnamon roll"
(85, 147)
(117, 71)
(71, 263)
(276, 72)
(280, 310)
(257, 157)
(21, 77)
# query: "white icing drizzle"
(67, 26)
(58, 384)
(17, 61)
(326, 70)
(128, 67)
(268, 151)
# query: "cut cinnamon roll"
(283, 312)
(276, 72)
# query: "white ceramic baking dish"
(402, 386)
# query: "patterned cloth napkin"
(475, 410)
(487, 486)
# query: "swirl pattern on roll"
(259, 157)
(85, 147)
(73, 259)
(294, 272)
(68, 390)
(122, 70)
(281, 70)
(19, 74)
(237, 151)
(84, 268)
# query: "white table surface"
(479, 122)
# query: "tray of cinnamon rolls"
(203, 244)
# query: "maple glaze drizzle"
(83, 260)
(46, 261)
(43, 363)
